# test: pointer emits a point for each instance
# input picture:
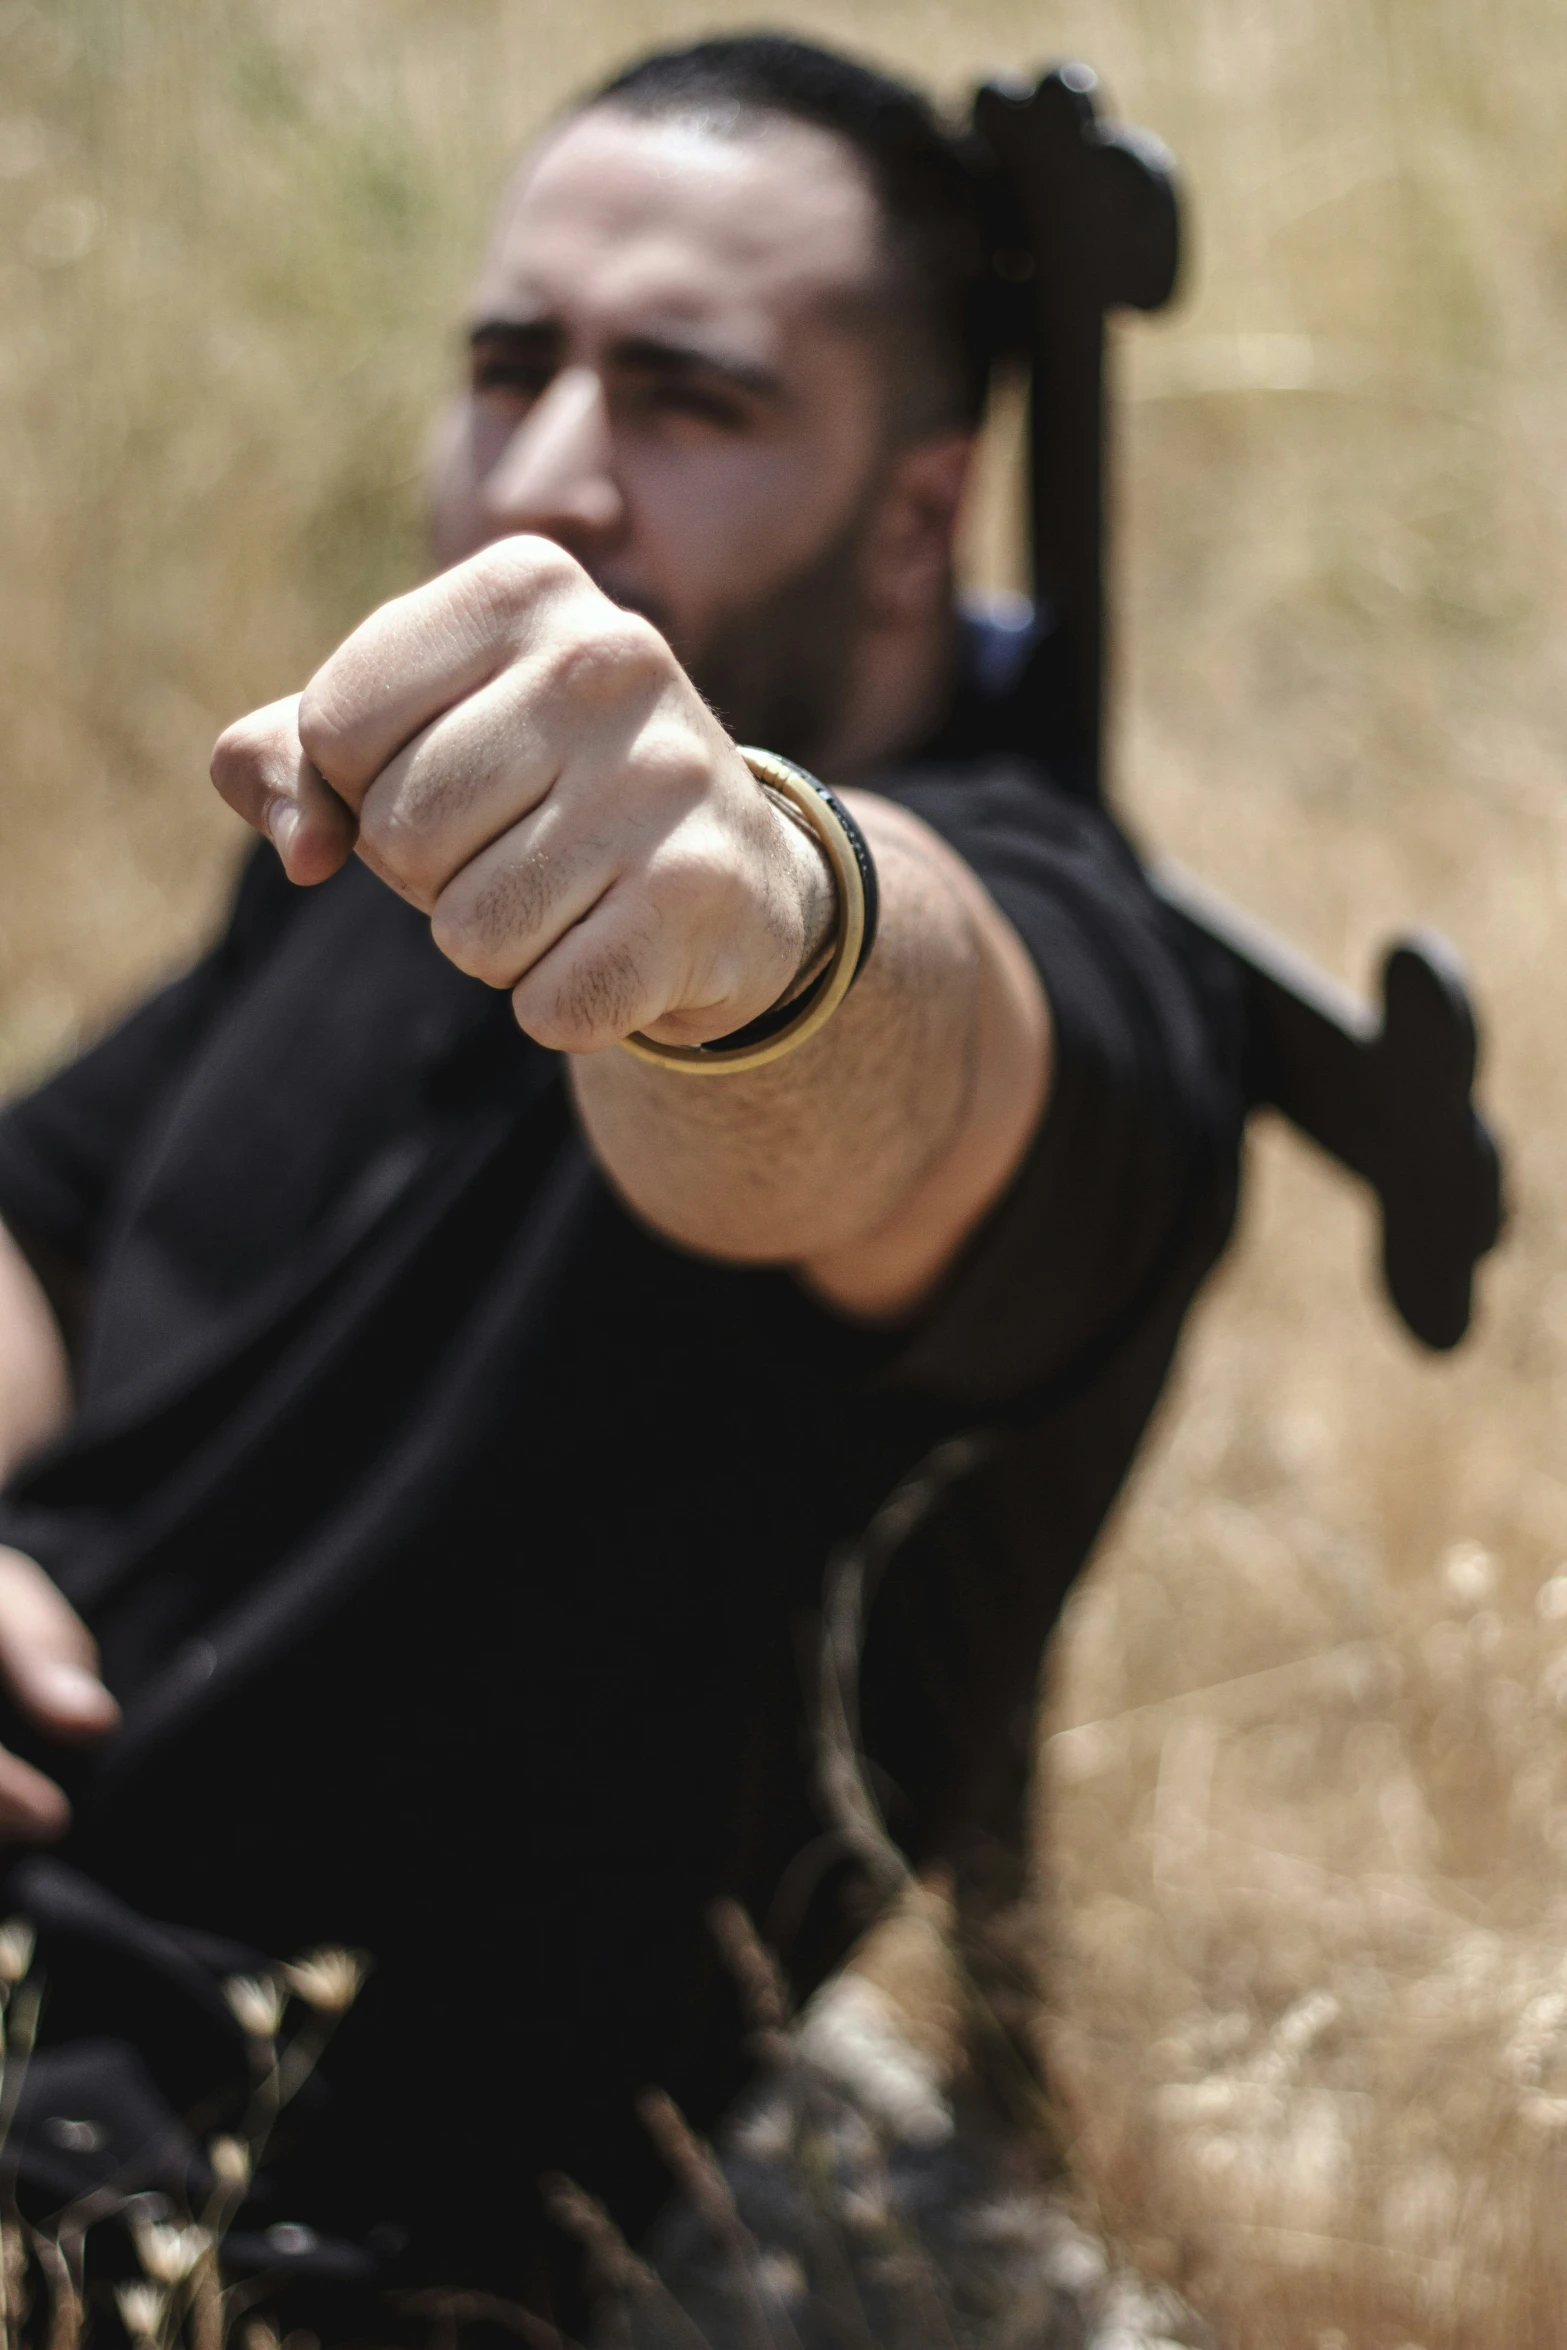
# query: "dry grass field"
(1306, 1812)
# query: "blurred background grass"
(1306, 1809)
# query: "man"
(466, 1405)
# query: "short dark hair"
(928, 190)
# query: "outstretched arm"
(865, 1157)
(529, 765)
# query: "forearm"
(35, 1379)
(864, 1157)
(529, 764)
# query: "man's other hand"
(49, 1670)
(528, 764)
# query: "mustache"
(774, 666)
(647, 607)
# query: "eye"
(695, 403)
(712, 407)
(520, 378)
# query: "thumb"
(260, 768)
(48, 1658)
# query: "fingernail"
(282, 824)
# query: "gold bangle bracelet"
(854, 878)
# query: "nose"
(556, 475)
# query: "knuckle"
(671, 762)
(589, 1005)
(640, 642)
(239, 757)
(608, 659)
(484, 930)
(681, 881)
(508, 576)
(231, 768)
(322, 730)
(642, 654)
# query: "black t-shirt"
(453, 1542)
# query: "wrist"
(789, 1024)
(814, 890)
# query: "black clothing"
(451, 1540)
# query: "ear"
(909, 548)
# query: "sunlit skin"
(670, 484)
(668, 376)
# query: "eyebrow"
(645, 355)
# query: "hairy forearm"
(35, 1379)
(864, 1157)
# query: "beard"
(779, 670)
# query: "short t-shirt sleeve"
(64, 1146)
(1129, 1184)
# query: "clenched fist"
(529, 764)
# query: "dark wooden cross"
(1387, 1093)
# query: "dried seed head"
(330, 1980)
(230, 2160)
(256, 2004)
(16, 1949)
(168, 2253)
(143, 2307)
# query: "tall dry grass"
(1307, 1750)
